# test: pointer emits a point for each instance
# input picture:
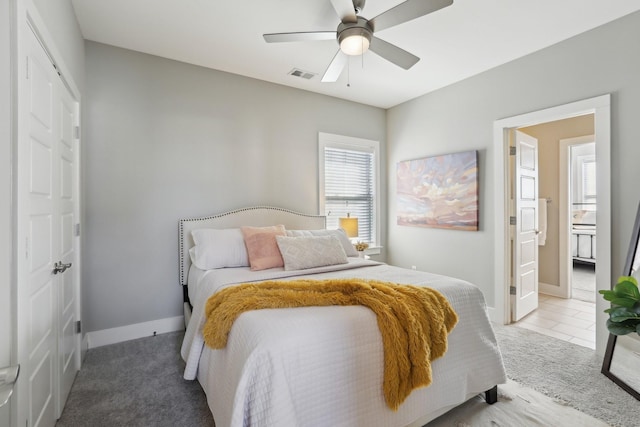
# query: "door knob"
(60, 267)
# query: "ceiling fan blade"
(410, 9)
(335, 68)
(299, 37)
(345, 10)
(393, 53)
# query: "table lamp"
(349, 225)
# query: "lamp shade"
(349, 225)
(355, 37)
(354, 45)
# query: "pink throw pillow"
(262, 247)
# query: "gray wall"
(166, 140)
(461, 116)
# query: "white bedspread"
(323, 366)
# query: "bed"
(583, 236)
(319, 366)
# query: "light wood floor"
(570, 320)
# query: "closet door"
(67, 208)
(46, 329)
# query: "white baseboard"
(496, 316)
(547, 289)
(132, 332)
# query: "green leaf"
(620, 314)
(623, 317)
(624, 301)
(627, 288)
(624, 313)
(620, 328)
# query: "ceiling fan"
(355, 33)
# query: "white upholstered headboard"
(258, 216)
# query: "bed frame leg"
(491, 395)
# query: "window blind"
(349, 189)
(589, 180)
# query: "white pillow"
(218, 248)
(304, 252)
(339, 233)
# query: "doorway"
(564, 309)
(600, 108)
(578, 231)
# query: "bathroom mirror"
(622, 357)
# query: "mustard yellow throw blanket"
(413, 321)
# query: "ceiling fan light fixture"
(354, 41)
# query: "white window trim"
(351, 143)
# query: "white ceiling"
(453, 43)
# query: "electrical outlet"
(413, 267)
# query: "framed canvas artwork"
(439, 192)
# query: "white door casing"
(600, 106)
(564, 243)
(6, 207)
(46, 214)
(525, 245)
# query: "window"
(589, 179)
(349, 169)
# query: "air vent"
(301, 73)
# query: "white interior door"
(525, 247)
(37, 154)
(46, 300)
(67, 202)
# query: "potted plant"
(624, 314)
(361, 247)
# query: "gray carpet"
(139, 382)
(136, 383)
(566, 372)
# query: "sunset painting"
(439, 192)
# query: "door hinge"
(76, 132)
(78, 326)
(512, 151)
(76, 229)
(512, 220)
(512, 290)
